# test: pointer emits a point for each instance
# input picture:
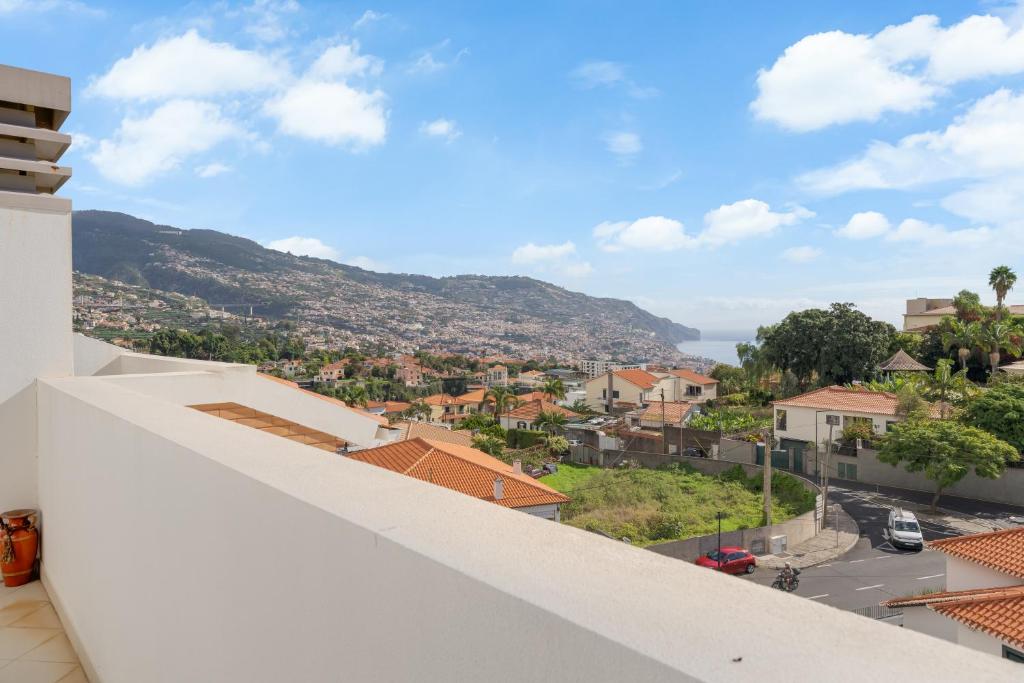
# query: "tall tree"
(999, 336)
(1001, 279)
(945, 451)
(967, 305)
(503, 398)
(555, 388)
(999, 411)
(551, 421)
(962, 335)
(946, 386)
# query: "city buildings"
(923, 314)
(180, 546)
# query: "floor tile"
(19, 609)
(44, 617)
(14, 642)
(56, 649)
(76, 676)
(34, 672)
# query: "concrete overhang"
(38, 90)
(48, 177)
(49, 144)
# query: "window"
(848, 471)
(520, 425)
(692, 390)
(780, 420)
(1013, 655)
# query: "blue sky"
(720, 166)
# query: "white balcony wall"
(181, 548)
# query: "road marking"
(931, 576)
(882, 557)
(855, 561)
(825, 565)
(867, 588)
(815, 597)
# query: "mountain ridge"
(227, 269)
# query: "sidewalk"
(821, 548)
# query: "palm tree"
(355, 395)
(945, 384)
(504, 399)
(418, 408)
(999, 336)
(554, 388)
(550, 421)
(965, 336)
(1001, 279)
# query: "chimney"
(517, 467)
(499, 488)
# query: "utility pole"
(719, 515)
(664, 427)
(824, 487)
(767, 485)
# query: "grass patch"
(654, 506)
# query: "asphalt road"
(873, 570)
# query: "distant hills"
(465, 313)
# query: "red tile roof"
(999, 617)
(1000, 550)
(675, 411)
(530, 410)
(640, 378)
(691, 376)
(446, 399)
(462, 469)
(411, 430)
(841, 398)
(972, 594)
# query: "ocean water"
(721, 350)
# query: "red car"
(729, 559)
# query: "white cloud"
(579, 269)
(142, 148)
(367, 18)
(1000, 200)
(934, 235)
(987, 140)
(593, 74)
(836, 77)
(623, 143)
(427, 63)
(188, 66)
(654, 233)
(534, 253)
(344, 61)
(864, 225)
(441, 128)
(267, 19)
(305, 246)
(731, 223)
(333, 113)
(803, 254)
(366, 263)
(212, 169)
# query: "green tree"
(1001, 280)
(557, 445)
(418, 409)
(555, 388)
(1000, 411)
(945, 451)
(491, 445)
(580, 407)
(997, 337)
(968, 307)
(754, 362)
(946, 386)
(551, 421)
(476, 421)
(503, 398)
(731, 380)
(962, 335)
(355, 395)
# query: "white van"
(903, 529)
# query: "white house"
(983, 606)
(525, 415)
(629, 387)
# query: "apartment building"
(593, 368)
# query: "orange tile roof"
(996, 611)
(271, 424)
(1000, 550)
(411, 430)
(972, 594)
(534, 396)
(675, 411)
(531, 409)
(462, 469)
(641, 378)
(445, 399)
(396, 406)
(841, 398)
(476, 396)
(691, 376)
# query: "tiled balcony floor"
(33, 647)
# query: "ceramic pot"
(19, 545)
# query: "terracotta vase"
(19, 545)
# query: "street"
(874, 570)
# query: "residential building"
(923, 314)
(657, 414)
(497, 376)
(387, 408)
(594, 368)
(687, 385)
(525, 415)
(412, 374)
(630, 389)
(983, 604)
(448, 408)
(468, 471)
(433, 432)
(181, 546)
(530, 378)
(290, 367)
(332, 372)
